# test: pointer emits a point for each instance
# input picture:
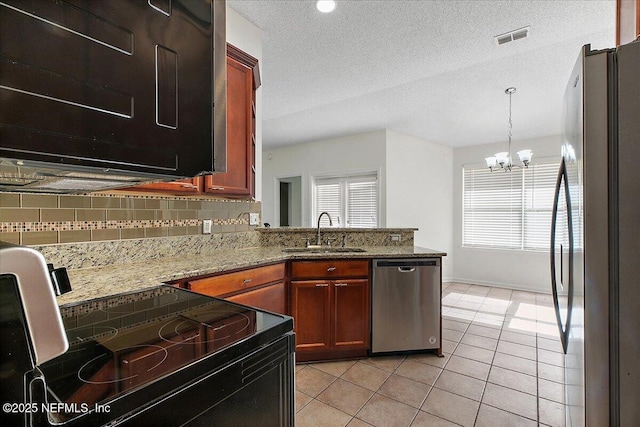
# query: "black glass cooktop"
(123, 349)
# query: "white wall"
(248, 38)
(414, 177)
(362, 152)
(421, 187)
(514, 269)
(419, 192)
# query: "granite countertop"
(97, 282)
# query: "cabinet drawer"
(329, 268)
(238, 281)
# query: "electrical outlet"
(254, 218)
(396, 237)
(206, 226)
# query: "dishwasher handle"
(405, 264)
(406, 269)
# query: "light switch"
(206, 226)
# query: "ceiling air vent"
(518, 34)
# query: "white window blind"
(539, 187)
(510, 210)
(329, 196)
(362, 202)
(352, 197)
(492, 208)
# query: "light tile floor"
(503, 366)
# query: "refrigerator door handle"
(562, 183)
(561, 266)
(552, 247)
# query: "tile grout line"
(484, 388)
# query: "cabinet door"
(270, 298)
(311, 312)
(122, 85)
(350, 314)
(236, 181)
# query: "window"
(509, 210)
(352, 197)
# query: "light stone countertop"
(97, 282)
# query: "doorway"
(290, 201)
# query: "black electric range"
(175, 358)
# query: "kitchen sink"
(323, 249)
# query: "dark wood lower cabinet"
(351, 314)
(271, 298)
(260, 287)
(311, 310)
(331, 318)
(329, 300)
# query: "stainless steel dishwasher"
(405, 306)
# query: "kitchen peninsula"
(151, 262)
(327, 289)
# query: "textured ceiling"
(430, 69)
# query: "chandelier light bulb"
(491, 162)
(325, 6)
(525, 156)
(502, 158)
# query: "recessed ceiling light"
(325, 6)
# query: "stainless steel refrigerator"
(595, 239)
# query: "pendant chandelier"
(503, 158)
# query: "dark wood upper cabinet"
(126, 85)
(243, 78)
(180, 187)
(627, 21)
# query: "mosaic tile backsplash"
(45, 219)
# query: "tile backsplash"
(43, 219)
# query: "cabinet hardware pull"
(331, 269)
(217, 188)
(342, 284)
(322, 285)
(245, 281)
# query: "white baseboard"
(518, 287)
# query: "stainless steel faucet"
(318, 237)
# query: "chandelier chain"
(510, 129)
(504, 158)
